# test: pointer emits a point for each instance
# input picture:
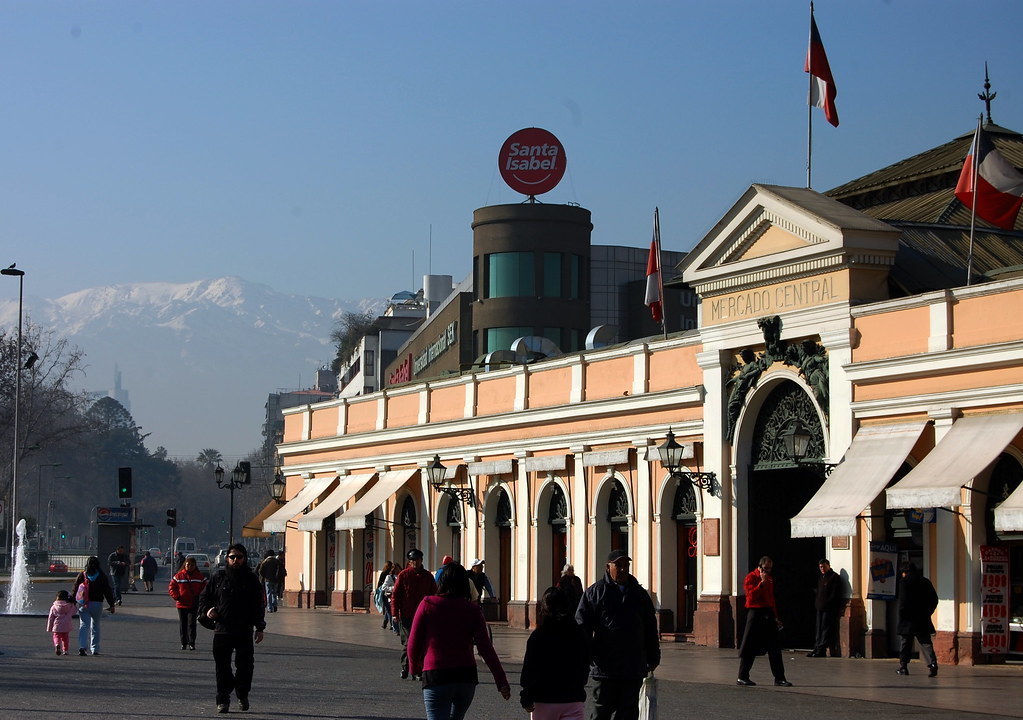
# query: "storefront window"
(1005, 479)
(510, 275)
(552, 274)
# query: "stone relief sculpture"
(809, 357)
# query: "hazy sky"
(311, 145)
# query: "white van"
(184, 545)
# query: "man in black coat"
(917, 602)
(617, 616)
(118, 562)
(233, 601)
(829, 604)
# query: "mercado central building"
(845, 390)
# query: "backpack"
(82, 594)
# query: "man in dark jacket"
(828, 604)
(410, 587)
(118, 562)
(617, 616)
(917, 602)
(233, 600)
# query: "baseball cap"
(415, 554)
(616, 555)
(446, 559)
(475, 562)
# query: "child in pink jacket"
(59, 621)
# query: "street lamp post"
(39, 496)
(239, 478)
(20, 274)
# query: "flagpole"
(660, 272)
(809, 108)
(973, 210)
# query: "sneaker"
(932, 671)
(222, 707)
(184, 647)
(81, 651)
(903, 670)
(243, 703)
(56, 650)
(191, 647)
(404, 674)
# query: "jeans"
(115, 580)
(224, 644)
(271, 596)
(617, 698)
(186, 625)
(88, 629)
(449, 701)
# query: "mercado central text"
(763, 301)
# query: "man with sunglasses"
(233, 600)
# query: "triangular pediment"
(775, 233)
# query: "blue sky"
(317, 146)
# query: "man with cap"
(618, 615)
(412, 584)
(479, 580)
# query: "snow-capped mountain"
(198, 359)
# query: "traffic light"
(124, 483)
(60, 526)
(172, 517)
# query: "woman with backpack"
(91, 588)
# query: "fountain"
(17, 590)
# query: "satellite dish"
(601, 336)
(534, 347)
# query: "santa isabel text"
(534, 153)
(757, 302)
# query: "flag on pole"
(653, 274)
(990, 181)
(822, 85)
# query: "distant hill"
(197, 359)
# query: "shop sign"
(994, 600)
(402, 373)
(532, 161)
(115, 514)
(882, 583)
(775, 299)
(436, 349)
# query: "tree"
(209, 458)
(346, 336)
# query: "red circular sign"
(532, 161)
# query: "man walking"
(118, 562)
(233, 600)
(762, 625)
(828, 604)
(267, 572)
(412, 584)
(617, 616)
(917, 601)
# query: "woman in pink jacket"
(440, 647)
(185, 587)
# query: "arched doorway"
(408, 526)
(557, 519)
(778, 489)
(618, 519)
(686, 552)
(503, 523)
(453, 524)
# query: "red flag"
(998, 192)
(822, 85)
(653, 275)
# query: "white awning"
(1009, 515)
(873, 458)
(345, 491)
(279, 520)
(388, 484)
(971, 444)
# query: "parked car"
(156, 553)
(58, 566)
(202, 563)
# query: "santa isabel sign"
(532, 161)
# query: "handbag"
(648, 698)
(205, 621)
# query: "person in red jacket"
(412, 585)
(762, 625)
(185, 587)
(440, 647)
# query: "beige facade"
(560, 455)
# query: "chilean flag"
(822, 85)
(652, 299)
(990, 181)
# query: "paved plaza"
(322, 664)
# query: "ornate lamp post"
(20, 274)
(240, 477)
(435, 472)
(670, 454)
(796, 441)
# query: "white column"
(642, 553)
(579, 551)
(716, 572)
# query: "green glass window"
(501, 338)
(574, 272)
(552, 274)
(510, 274)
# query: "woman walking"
(147, 570)
(185, 587)
(382, 596)
(440, 647)
(91, 588)
(557, 663)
